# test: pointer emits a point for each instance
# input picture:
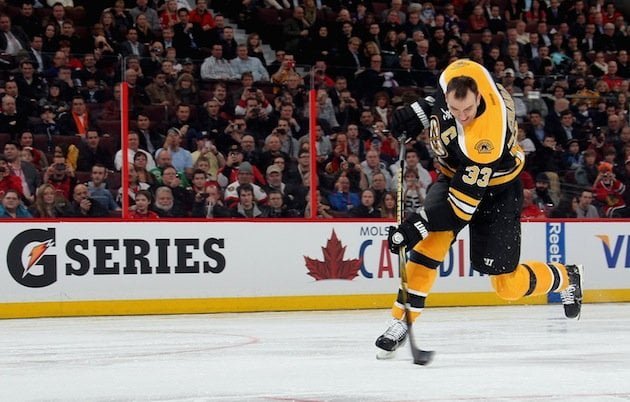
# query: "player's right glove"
(408, 233)
(410, 119)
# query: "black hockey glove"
(410, 119)
(408, 233)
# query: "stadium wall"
(114, 268)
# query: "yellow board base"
(278, 303)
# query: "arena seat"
(67, 139)
(378, 8)
(110, 143)
(4, 138)
(111, 127)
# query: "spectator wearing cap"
(48, 126)
(233, 163)
(182, 192)
(572, 158)
(609, 192)
(508, 77)
(181, 157)
(274, 180)
(543, 197)
(245, 175)
(244, 63)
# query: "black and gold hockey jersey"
(482, 155)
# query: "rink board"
(71, 269)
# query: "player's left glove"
(408, 233)
(412, 118)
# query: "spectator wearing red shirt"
(609, 191)
(141, 211)
(8, 181)
(611, 78)
(477, 22)
(202, 16)
(169, 17)
(530, 210)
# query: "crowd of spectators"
(217, 130)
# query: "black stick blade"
(422, 357)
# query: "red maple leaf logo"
(333, 266)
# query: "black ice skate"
(572, 295)
(393, 338)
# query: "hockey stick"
(421, 357)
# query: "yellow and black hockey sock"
(421, 268)
(531, 278)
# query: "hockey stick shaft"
(421, 357)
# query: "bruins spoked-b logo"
(29, 259)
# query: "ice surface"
(520, 353)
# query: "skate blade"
(581, 271)
(382, 354)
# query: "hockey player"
(473, 133)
